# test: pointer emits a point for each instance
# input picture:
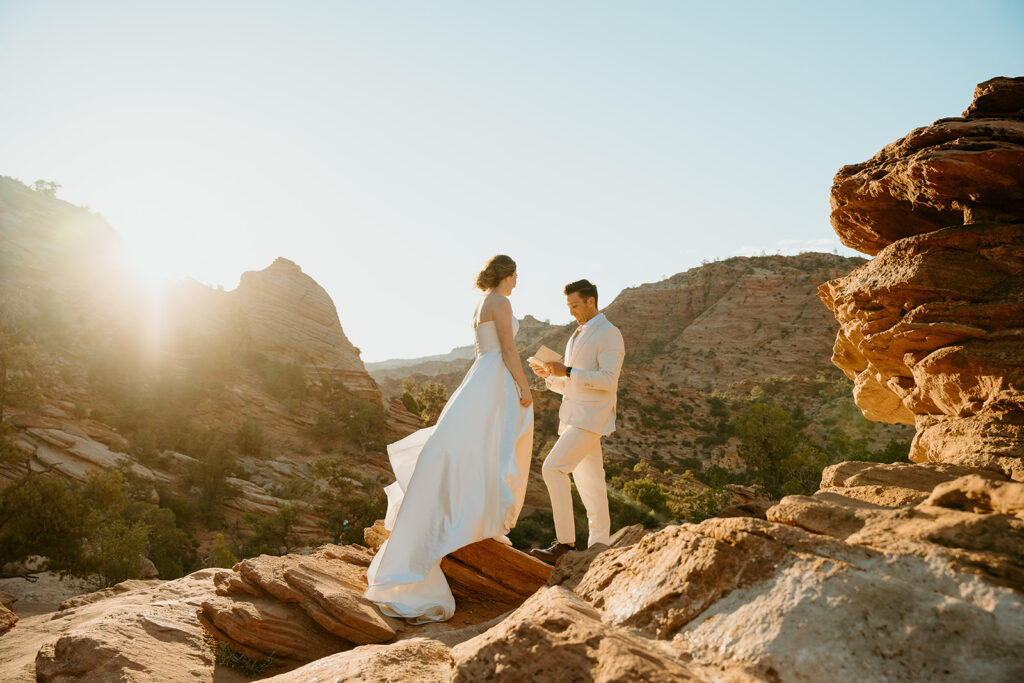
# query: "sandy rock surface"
(42, 592)
(139, 631)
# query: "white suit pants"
(578, 451)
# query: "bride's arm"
(506, 337)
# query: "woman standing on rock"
(464, 479)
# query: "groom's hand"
(539, 370)
(557, 369)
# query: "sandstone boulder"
(893, 484)
(860, 592)
(952, 172)
(302, 608)
(144, 631)
(981, 495)
(297, 607)
(416, 659)
(555, 635)
(932, 329)
(7, 618)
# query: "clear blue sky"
(390, 148)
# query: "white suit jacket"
(589, 394)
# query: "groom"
(588, 383)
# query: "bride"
(464, 479)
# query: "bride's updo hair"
(496, 270)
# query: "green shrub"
(346, 511)
(116, 550)
(209, 475)
(93, 530)
(647, 492)
(250, 439)
(366, 424)
(426, 400)
(273, 534)
(228, 656)
(896, 450)
(220, 554)
(627, 512)
(691, 504)
(533, 531)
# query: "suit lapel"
(595, 324)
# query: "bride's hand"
(540, 370)
(525, 397)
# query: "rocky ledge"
(895, 572)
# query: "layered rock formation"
(303, 608)
(932, 328)
(731, 322)
(291, 316)
(280, 312)
(68, 449)
(58, 252)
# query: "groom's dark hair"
(585, 288)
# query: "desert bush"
(894, 451)
(94, 530)
(690, 503)
(220, 554)
(272, 534)
(116, 550)
(209, 475)
(647, 492)
(347, 511)
(366, 424)
(426, 400)
(250, 439)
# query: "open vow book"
(544, 355)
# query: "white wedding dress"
(458, 482)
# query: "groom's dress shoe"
(553, 553)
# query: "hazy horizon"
(390, 150)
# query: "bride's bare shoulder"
(493, 306)
(495, 302)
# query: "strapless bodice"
(485, 337)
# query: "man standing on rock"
(588, 382)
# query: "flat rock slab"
(147, 633)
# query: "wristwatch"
(568, 371)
